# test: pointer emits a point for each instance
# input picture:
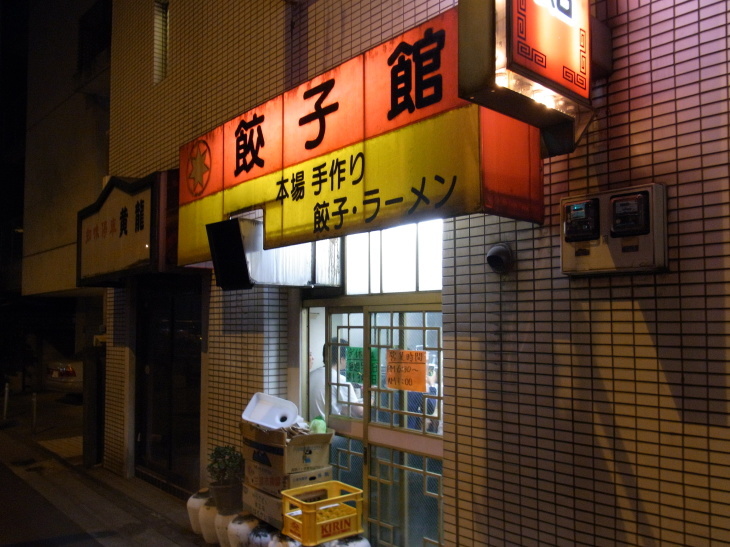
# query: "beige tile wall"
(117, 382)
(247, 352)
(589, 411)
(595, 411)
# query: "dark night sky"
(13, 60)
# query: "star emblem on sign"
(199, 168)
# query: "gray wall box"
(617, 232)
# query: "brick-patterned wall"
(247, 353)
(117, 381)
(595, 411)
(227, 57)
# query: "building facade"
(576, 410)
(66, 160)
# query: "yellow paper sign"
(406, 370)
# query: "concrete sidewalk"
(112, 510)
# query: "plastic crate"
(322, 512)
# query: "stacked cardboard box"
(275, 462)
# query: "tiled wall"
(226, 57)
(578, 411)
(117, 381)
(247, 352)
(595, 411)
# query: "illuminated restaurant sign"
(381, 140)
(549, 40)
(531, 60)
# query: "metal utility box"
(616, 232)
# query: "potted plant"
(225, 468)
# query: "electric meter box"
(616, 232)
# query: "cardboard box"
(270, 481)
(263, 506)
(271, 449)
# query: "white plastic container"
(207, 514)
(270, 412)
(194, 503)
(221, 523)
(240, 528)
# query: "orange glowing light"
(325, 113)
(432, 50)
(201, 166)
(512, 184)
(551, 40)
(253, 143)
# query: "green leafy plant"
(226, 465)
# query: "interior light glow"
(357, 257)
(543, 96)
(398, 248)
(430, 254)
(404, 258)
(501, 78)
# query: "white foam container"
(270, 412)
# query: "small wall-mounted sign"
(116, 233)
(531, 60)
(406, 370)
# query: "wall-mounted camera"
(500, 258)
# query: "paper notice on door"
(406, 370)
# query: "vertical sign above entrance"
(549, 41)
(530, 60)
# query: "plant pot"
(228, 497)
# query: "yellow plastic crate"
(322, 512)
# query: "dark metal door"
(168, 381)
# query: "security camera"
(500, 258)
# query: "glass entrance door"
(388, 436)
(168, 381)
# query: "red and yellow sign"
(250, 151)
(324, 114)
(381, 140)
(550, 39)
(201, 166)
(413, 76)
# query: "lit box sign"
(531, 60)
(381, 140)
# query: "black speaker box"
(225, 239)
